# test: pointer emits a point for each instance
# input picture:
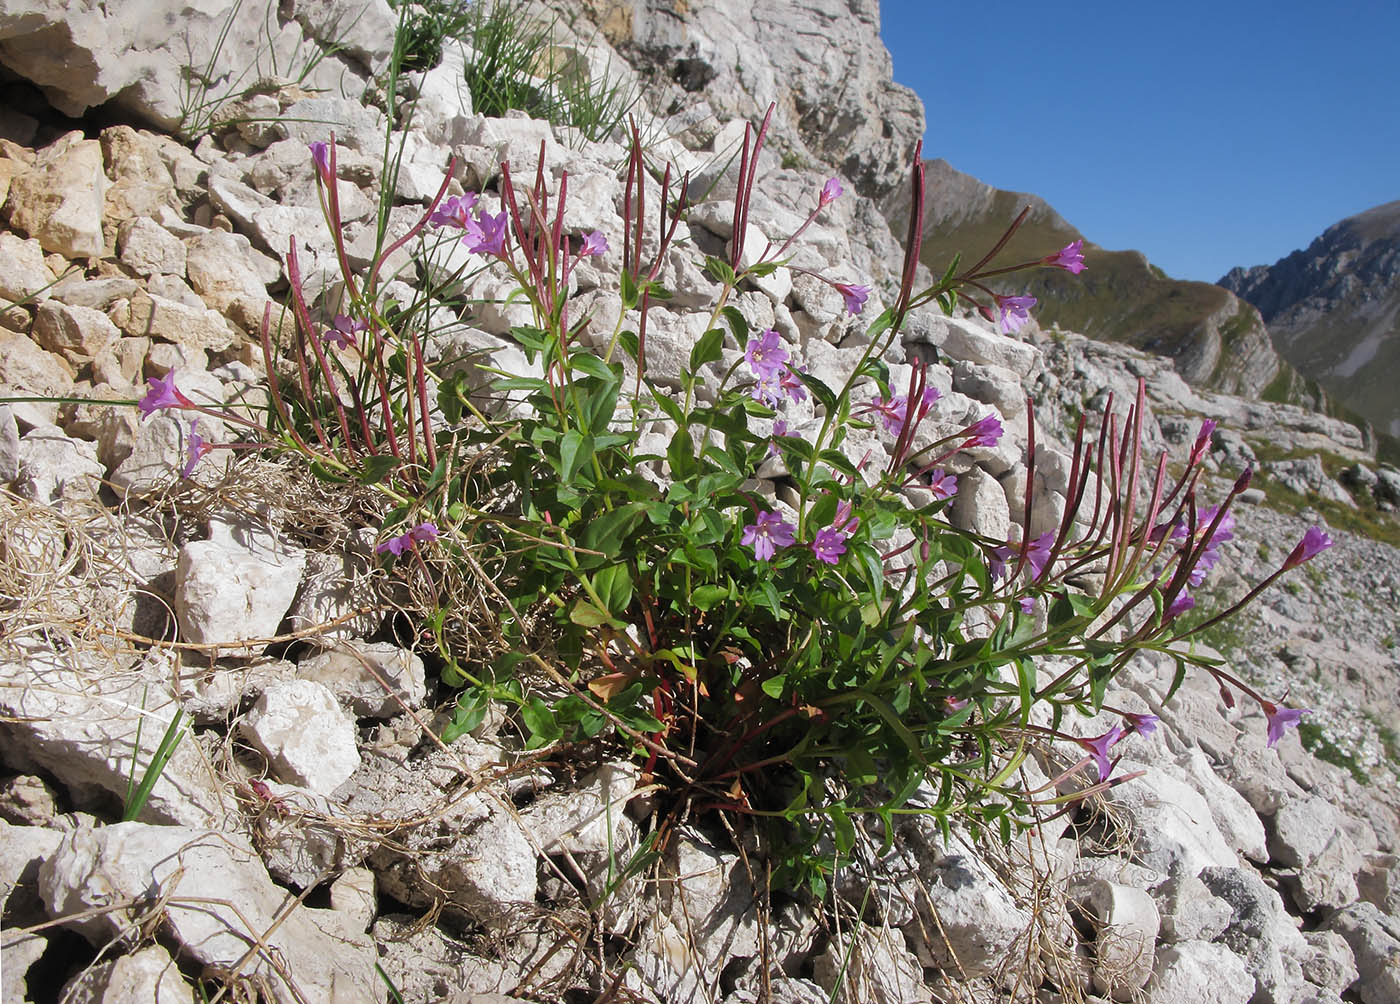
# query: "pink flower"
(163, 394)
(1099, 746)
(594, 244)
(1037, 555)
(766, 355)
(790, 385)
(452, 211)
(1027, 604)
(780, 429)
(420, 534)
(486, 234)
(1143, 725)
(831, 191)
(829, 544)
(1070, 257)
(195, 449)
(1314, 542)
(344, 331)
(984, 432)
(1282, 719)
(855, 296)
(942, 484)
(1184, 601)
(766, 534)
(321, 158)
(1014, 311)
(1202, 440)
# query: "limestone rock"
(871, 964)
(1375, 944)
(53, 467)
(357, 673)
(77, 717)
(23, 271)
(78, 334)
(1127, 923)
(226, 593)
(306, 737)
(149, 249)
(1198, 972)
(28, 371)
(218, 901)
(59, 200)
(147, 975)
(153, 316)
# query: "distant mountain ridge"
(1334, 311)
(1217, 340)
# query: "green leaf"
(614, 587)
(704, 597)
(737, 324)
(630, 344)
(762, 269)
(670, 407)
(608, 531)
(540, 720)
(630, 293)
(820, 391)
(585, 614)
(575, 449)
(586, 362)
(718, 269)
(708, 349)
(773, 686)
(376, 469)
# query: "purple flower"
(1099, 746)
(1183, 602)
(1202, 440)
(790, 385)
(891, 412)
(1143, 725)
(1314, 542)
(1014, 311)
(768, 388)
(163, 394)
(452, 211)
(420, 534)
(766, 534)
(195, 449)
(486, 234)
(1282, 719)
(942, 484)
(831, 191)
(855, 296)
(1037, 555)
(344, 331)
(1027, 604)
(594, 244)
(766, 355)
(954, 703)
(321, 157)
(984, 432)
(829, 544)
(997, 559)
(780, 429)
(1070, 257)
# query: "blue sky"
(1206, 135)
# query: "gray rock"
(1189, 911)
(1127, 923)
(1330, 963)
(306, 737)
(226, 593)
(149, 249)
(358, 672)
(871, 964)
(352, 894)
(218, 901)
(1197, 972)
(28, 371)
(1260, 932)
(1375, 944)
(54, 468)
(1307, 835)
(148, 975)
(23, 271)
(26, 800)
(333, 588)
(1172, 824)
(76, 333)
(1378, 882)
(77, 717)
(981, 505)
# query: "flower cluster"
(420, 534)
(482, 234)
(774, 379)
(769, 532)
(894, 413)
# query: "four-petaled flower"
(594, 244)
(420, 534)
(1014, 311)
(1282, 719)
(983, 432)
(195, 448)
(1183, 602)
(831, 191)
(780, 429)
(1099, 746)
(1314, 542)
(766, 534)
(486, 234)
(855, 296)
(766, 355)
(1070, 257)
(321, 157)
(163, 394)
(452, 211)
(829, 544)
(942, 484)
(791, 385)
(1142, 724)
(1027, 604)
(1037, 555)
(344, 331)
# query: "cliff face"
(1216, 340)
(1334, 310)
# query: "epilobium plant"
(796, 648)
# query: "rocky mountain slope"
(311, 828)
(1333, 310)
(1216, 340)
